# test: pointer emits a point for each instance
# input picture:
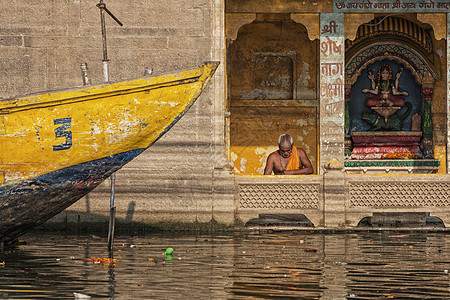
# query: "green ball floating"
(169, 257)
(169, 251)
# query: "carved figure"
(385, 90)
(385, 100)
(391, 123)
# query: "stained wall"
(187, 175)
(43, 43)
(272, 90)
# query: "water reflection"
(376, 265)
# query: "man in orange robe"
(288, 160)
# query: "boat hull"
(74, 139)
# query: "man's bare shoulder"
(300, 151)
(273, 155)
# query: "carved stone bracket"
(310, 21)
(352, 23)
(436, 21)
(236, 21)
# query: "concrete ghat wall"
(185, 176)
(42, 45)
(397, 193)
(337, 200)
(280, 195)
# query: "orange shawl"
(293, 163)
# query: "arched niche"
(234, 21)
(272, 89)
(394, 38)
(272, 58)
(399, 43)
(423, 72)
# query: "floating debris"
(104, 261)
(310, 250)
(152, 262)
(81, 296)
(398, 236)
(169, 257)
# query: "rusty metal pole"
(112, 208)
(102, 7)
(112, 213)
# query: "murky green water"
(382, 265)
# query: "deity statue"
(385, 100)
(384, 90)
(395, 130)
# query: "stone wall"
(186, 175)
(42, 45)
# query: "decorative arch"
(400, 43)
(394, 38)
(271, 65)
(422, 71)
(398, 28)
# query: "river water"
(283, 265)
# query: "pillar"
(448, 92)
(332, 50)
(332, 140)
(222, 198)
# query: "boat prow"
(57, 146)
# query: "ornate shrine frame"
(416, 58)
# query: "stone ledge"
(392, 166)
(344, 230)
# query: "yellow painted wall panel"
(255, 131)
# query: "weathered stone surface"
(186, 175)
(43, 44)
(279, 6)
(11, 41)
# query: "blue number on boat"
(62, 131)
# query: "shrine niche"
(389, 88)
(272, 88)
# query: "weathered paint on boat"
(57, 146)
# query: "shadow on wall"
(291, 220)
(130, 211)
(401, 220)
